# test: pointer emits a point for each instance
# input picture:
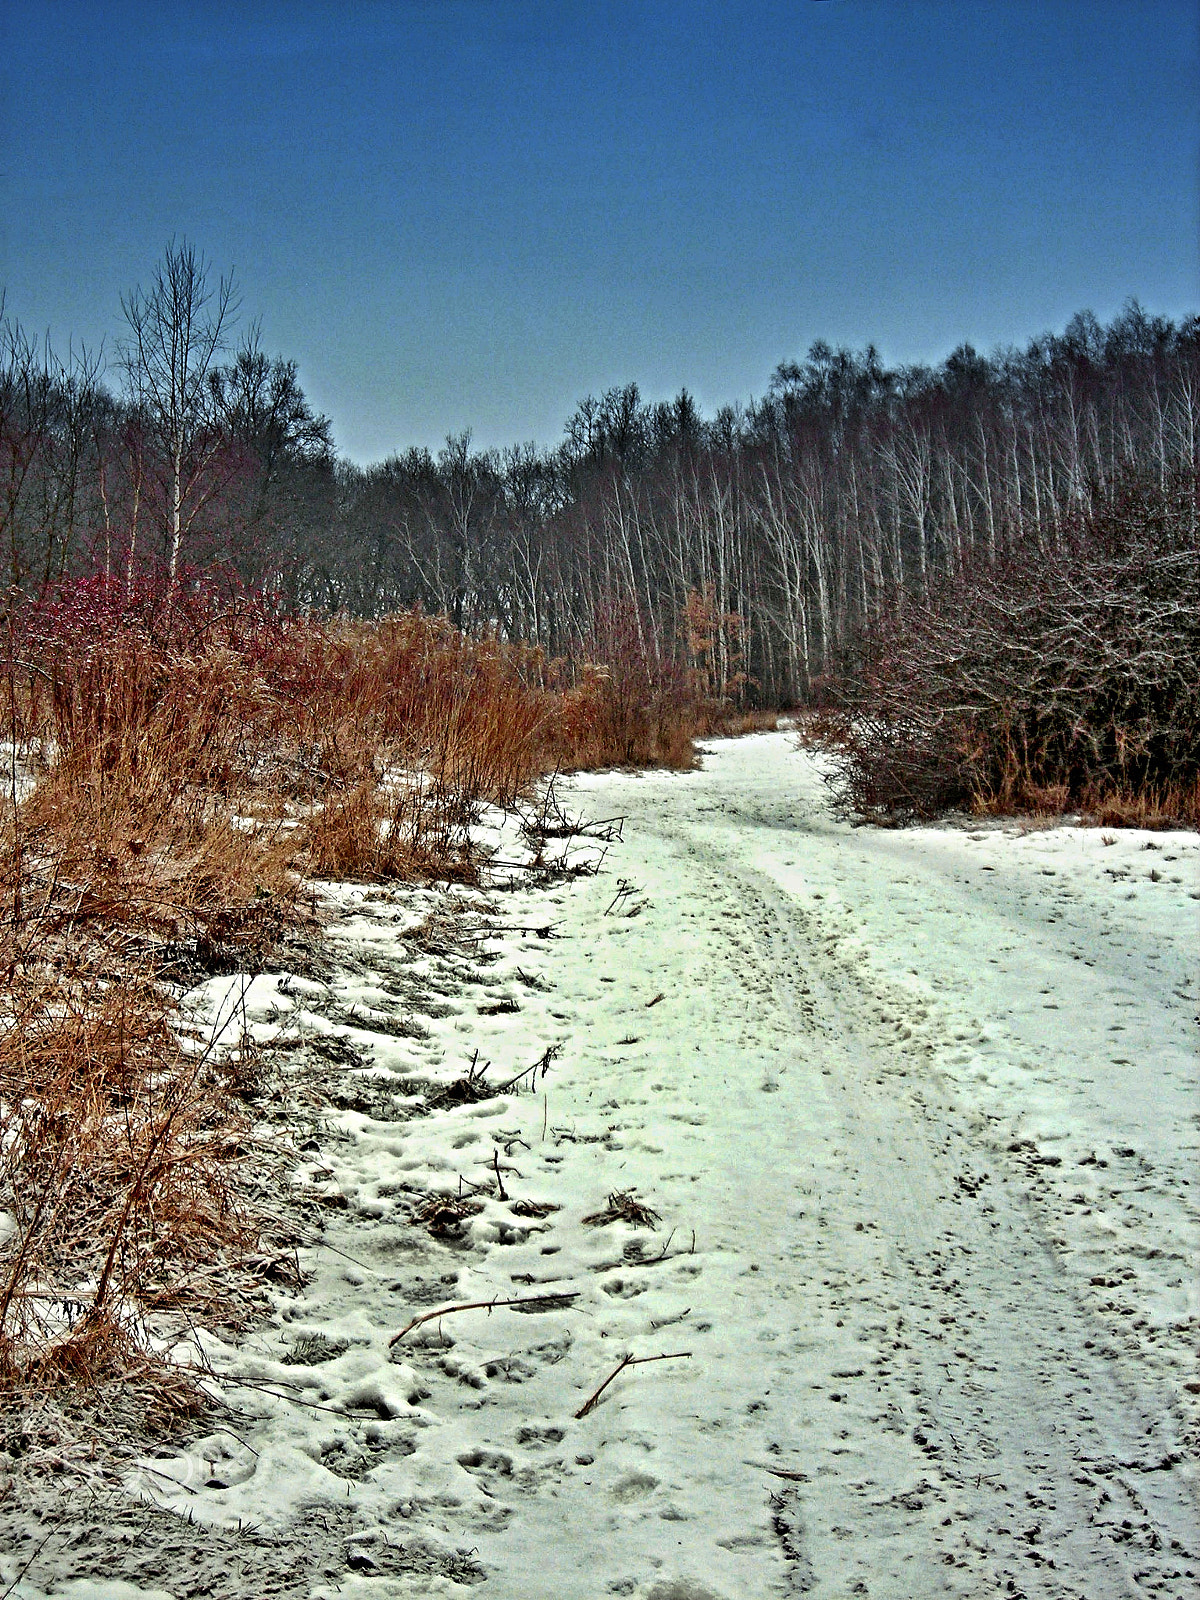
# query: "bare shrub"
(1064, 677)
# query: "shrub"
(1064, 677)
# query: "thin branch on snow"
(628, 1361)
(546, 1302)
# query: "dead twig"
(625, 890)
(21, 1573)
(551, 1302)
(628, 1361)
(542, 1065)
(665, 1322)
(630, 1261)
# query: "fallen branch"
(23, 1570)
(629, 1361)
(665, 1322)
(645, 1261)
(550, 1302)
(262, 1386)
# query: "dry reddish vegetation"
(182, 761)
(1064, 678)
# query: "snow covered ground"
(915, 1117)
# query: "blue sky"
(469, 213)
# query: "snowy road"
(966, 1207)
(917, 1112)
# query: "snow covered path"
(985, 1124)
(917, 1112)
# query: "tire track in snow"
(1037, 1461)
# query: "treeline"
(753, 545)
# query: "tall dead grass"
(129, 1177)
(180, 763)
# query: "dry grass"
(444, 1214)
(730, 722)
(194, 761)
(624, 1206)
(1168, 806)
(1155, 806)
(132, 1185)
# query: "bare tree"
(177, 328)
(47, 406)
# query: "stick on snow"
(629, 1361)
(548, 1302)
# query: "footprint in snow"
(486, 1463)
(518, 1366)
(353, 1457)
(624, 1288)
(496, 1472)
(631, 1486)
(532, 1433)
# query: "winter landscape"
(599, 800)
(886, 1138)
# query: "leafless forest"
(782, 528)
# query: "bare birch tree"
(177, 329)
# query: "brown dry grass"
(194, 762)
(729, 722)
(1168, 806)
(132, 1185)
(624, 1206)
(1153, 806)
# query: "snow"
(916, 1111)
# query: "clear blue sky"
(472, 212)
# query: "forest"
(756, 546)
